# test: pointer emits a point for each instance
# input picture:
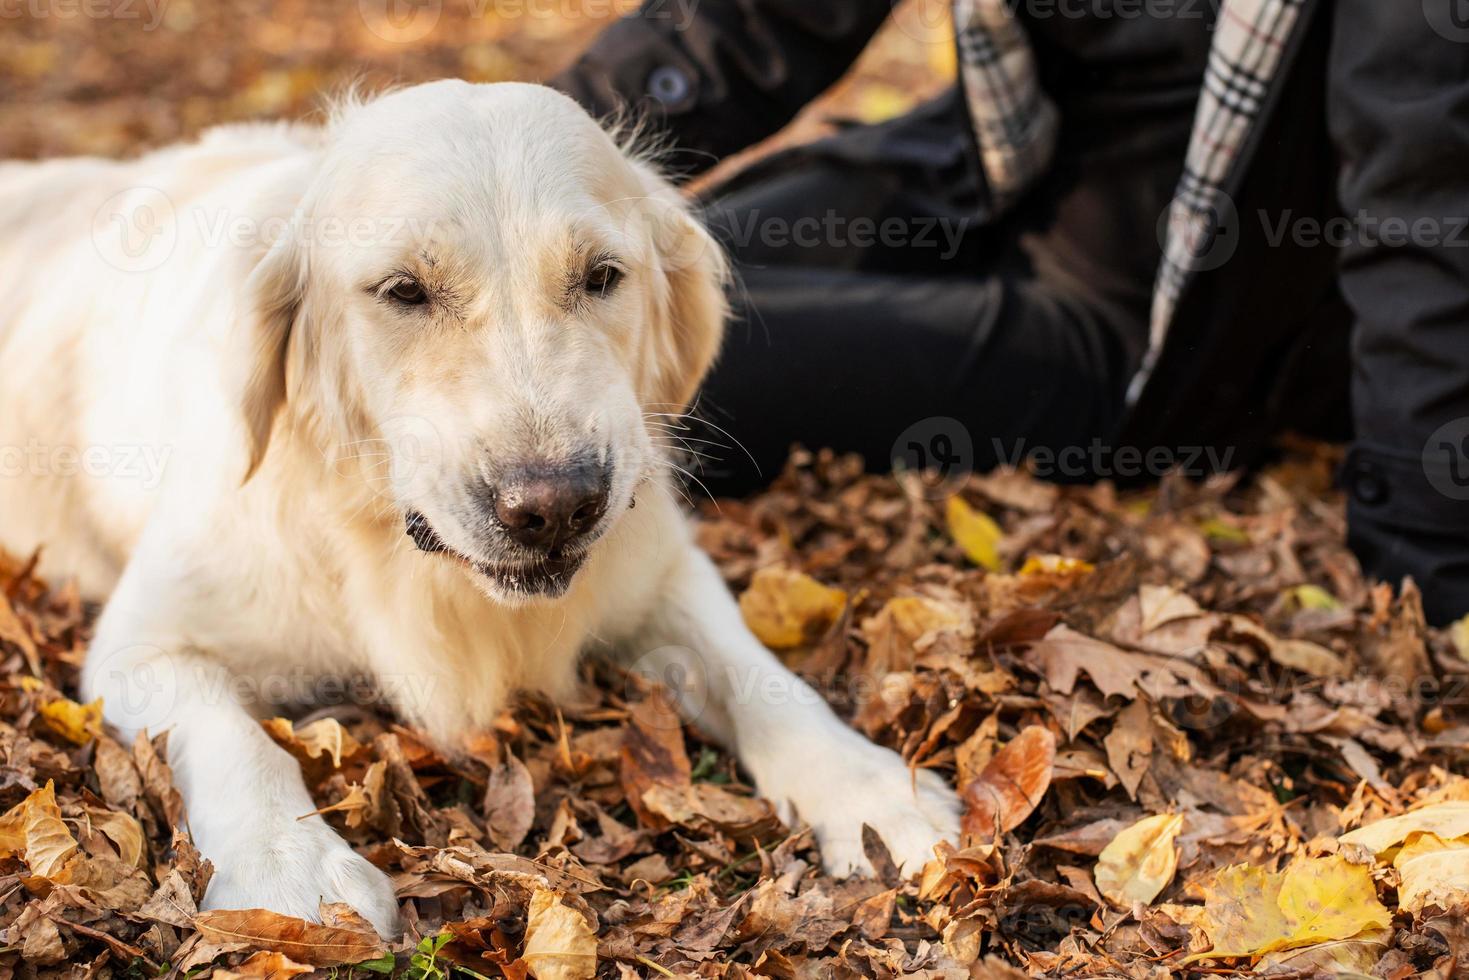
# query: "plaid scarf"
(1015, 128)
(1250, 41)
(1014, 122)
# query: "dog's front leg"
(802, 756)
(245, 797)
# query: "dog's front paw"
(292, 872)
(847, 782)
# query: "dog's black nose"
(547, 509)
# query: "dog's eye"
(409, 292)
(602, 278)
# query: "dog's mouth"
(543, 577)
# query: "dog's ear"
(273, 294)
(691, 303)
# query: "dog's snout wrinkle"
(548, 509)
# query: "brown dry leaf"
(1160, 605)
(1129, 745)
(34, 831)
(265, 966)
(123, 831)
(305, 942)
(1356, 956)
(975, 532)
(354, 806)
(13, 631)
(906, 625)
(787, 609)
(1064, 653)
(653, 755)
(1250, 911)
(1140, 861)
(509, 803)
(1011, 786)
(559, 944)
(324, 737)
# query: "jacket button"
(669, 85)
(1369, 486)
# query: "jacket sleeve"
(719, 75)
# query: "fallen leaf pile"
(1191, 739)
(1183, 752)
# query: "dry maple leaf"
(1250, 911)
(305, 942)
(1011, 786)
(559, 943)
(1063, 654)
(1140, 861)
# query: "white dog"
(386, 398)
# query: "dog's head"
(485, 305)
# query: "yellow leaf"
(34, 831)
(77, 723)
(1459, 633)
(1434, 872)
(977, 535)
(788, 609)
(1216, 529)
(1251, 911)
(1314, 597)
(1430, 849)
(559, 944)
(877, 102)
(1058, 565)
(1140, 861)
(1308, 658)
(1446, 820)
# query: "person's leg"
(955, 372)
(1398, 103)
(938, 344)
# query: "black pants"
(880, 310)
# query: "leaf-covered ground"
(1167, 711)
(1182, 722)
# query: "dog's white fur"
(236, 336)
